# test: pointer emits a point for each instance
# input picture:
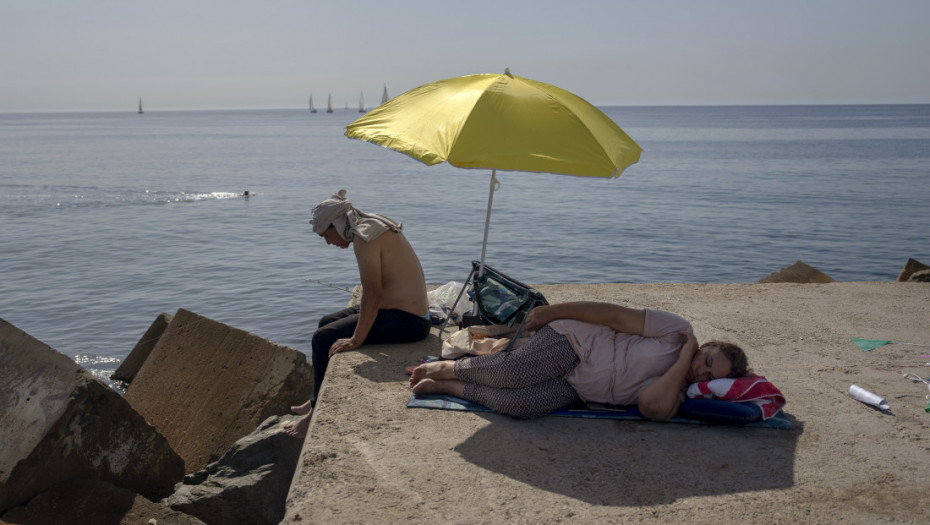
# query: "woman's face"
(708, 363)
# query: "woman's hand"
(536, 319)
(341, 345)
(660, 399)
(691, 345)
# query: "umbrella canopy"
(499, 122)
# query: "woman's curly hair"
(739, 363)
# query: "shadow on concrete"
(625, 463)
(387, 362)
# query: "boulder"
(910, 267)
(207, 384)
(248, 485)
(83, 501)
(130, 366)
(921, 276)
(58, 422)
(798, 272)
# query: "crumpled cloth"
(349, 220)
(754, 389)
(481, 340)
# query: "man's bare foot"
(432, 370)
(303, 409)
(298, 429)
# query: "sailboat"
(384, 95)
(140, 106)
(361, 102)
(329, 104)
(312, 109)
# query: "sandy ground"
(369, 459)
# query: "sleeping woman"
(592, 352)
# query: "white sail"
(312, 109)
(140, 106)
(384, 95)
(329, 104)
(361, 102)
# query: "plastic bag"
(441, 299)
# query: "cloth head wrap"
(348, 220)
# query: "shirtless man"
(394, 307)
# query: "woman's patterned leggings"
(525, 382)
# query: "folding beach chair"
(499, 299)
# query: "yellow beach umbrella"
(499, 122)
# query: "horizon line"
(134, 110)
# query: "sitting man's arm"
(368, 255)
(616, 317)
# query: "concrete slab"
(369, 459)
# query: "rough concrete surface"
(369, 459)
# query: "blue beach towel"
(695, 411)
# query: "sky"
(103, 55)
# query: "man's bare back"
(396, 266)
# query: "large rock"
(83, 501)
(130, 366)
(911, 267)
(920, 276)
(206, 384)
(798, 272)
(248, 485)
(58, 422)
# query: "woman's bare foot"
(298, 429)
(303, 409)
(432, 370)
(428, 386)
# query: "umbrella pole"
(495, 185)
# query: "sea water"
(108, 219)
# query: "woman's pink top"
(615, 367)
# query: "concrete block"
(130, 366)
(58, 422)
(799, 272)
(911, 267)
(207, 384)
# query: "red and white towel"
(753, 389)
